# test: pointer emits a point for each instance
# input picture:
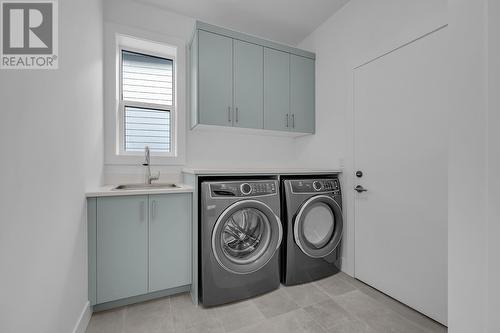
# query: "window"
(144, 97)
(147, 102)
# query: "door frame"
(349, 180)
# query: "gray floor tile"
(327, 314)
(190, 318)
(334, 285)
(275, 303)
(238, 315)
(306, 294)
(396, 306)
(360, 304)
(297, 321)
(107, 322)
(352, 325)
(336, 304)
(149, 317)
(375, 314)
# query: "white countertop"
(109, 191)
(257, 171)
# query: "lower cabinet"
(138, 245)
(122, 247)
(169, 241)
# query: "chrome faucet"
(147, 163)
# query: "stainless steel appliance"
(312, 218)
(240, 236)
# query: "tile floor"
(335, 304)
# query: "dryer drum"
(318, 226)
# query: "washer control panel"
(244, 188)
(315, 185)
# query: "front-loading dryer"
(240, 236)
(313, 226)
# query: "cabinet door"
(248, 85)
(215, 79)
(302, 94)
(122, 252)
(169, 241)
(276, 90)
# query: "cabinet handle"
(286, 120)
(141, 211)
(236, 118)
(229, 114)
(293, 120)
(153, 210)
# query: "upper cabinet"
(242, 81)
(276, 90)
(215, 79)
(302, 94)
(248, 68)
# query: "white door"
(400, 145)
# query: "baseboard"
(140, 298)
(84, 319)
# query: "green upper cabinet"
(122, 254)
(169, 241)
(302, 94)
(215, 79)
(238, 80)
(276, 90)
(248, 84)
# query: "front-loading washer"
(240, 236)
(313, 226)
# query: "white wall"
(204, 148)
(494, 166)
(467, 226)
(51, 147)
(360, 31)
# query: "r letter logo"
(29, 35)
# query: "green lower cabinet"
(169, 241)
(122, 247)
(138, 245)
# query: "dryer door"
(318, 226)
(246, 236)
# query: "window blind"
(147, 79)
(147, 127)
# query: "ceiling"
(285, 21)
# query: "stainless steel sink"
(144, 186)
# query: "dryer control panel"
(315, 185)
(243, 189)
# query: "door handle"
(153, 210)
(229, 114)
(293, 120)
(141, 211)
(286, 120)
(360, 189)
(236, 117)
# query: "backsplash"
(121, 174)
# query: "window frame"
(122, 104)
(116, 34)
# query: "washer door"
(246, 236)
(318, 226)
